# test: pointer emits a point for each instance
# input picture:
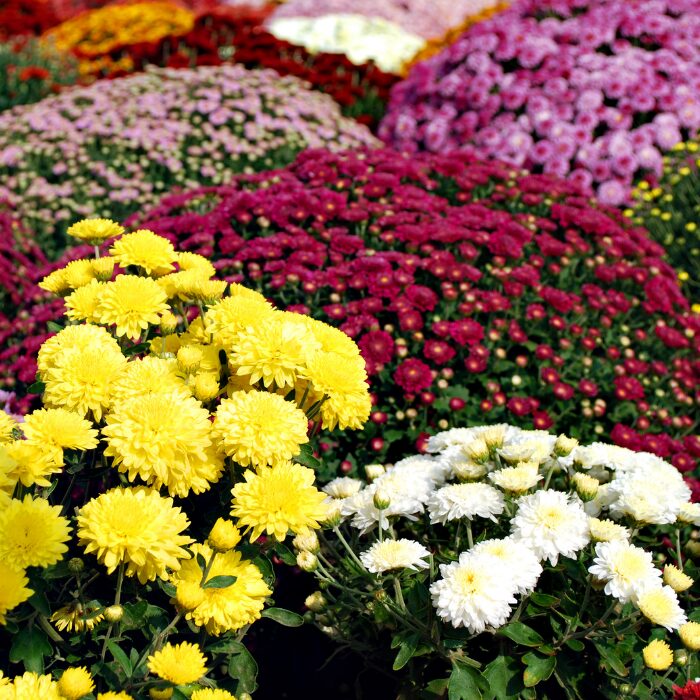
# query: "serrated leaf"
(539, 668)
(464, 683)
(503, 676)
(220, 582)
(407, 648)
(521, 634)
(29, 647)
(243, 668)
(284, 617)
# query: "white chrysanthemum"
(551, 523)
(395, 554)
(517, 479)
(342, 487)
(607, 530)
(529, 446)
(603, 499)
(690, 513)
(463, 436)
(659, 604)
(434, 469)
(465, 501)
(460, 466)
(652, 493)
(473, 593)
(600, 454)
(520, 564)
(625, 569)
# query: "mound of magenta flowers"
(670, 208)
(140, 508)
(508, 560)
(471, 289)
(592, 90)
(115, 146)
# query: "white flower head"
(690, 513)
(600, 454)
(473, 593)
(465, 501)
(551, 523)
(519, 562)
(395, 554)
(659, 604)
(434, 469)
(517, 479)
(625, 568)
(343, 487)
(607, 530)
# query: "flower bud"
(381, 499)
(189, 358)
(188, 595)
(477, 450)
(103, 268)
(206, 386)
(564, 445)
(223, 536)
(316, 602)
(334, 515)
(307, 542)
(690, 635)
(657, 655)
(160, 693)
(168, 323)
(586, 486)
(680, 657)
(114, 613)
(374, 471)
(307, 561)
(75, 565)
(75, 683)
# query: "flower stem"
(348, 548)
(117, 600)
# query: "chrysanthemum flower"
(607, 530)
(55, 282)
(659, 604)
(278, 499)
(231, 316)
(75, 617)
(146, 250)
(165, 440)
(7, 427)
(95, 230)
(690, 635)
(657, 655)
(551, 523)
(78, 273)
(520, 564)
(112, 695)
(624, 567)
(223, 536)
(132, 304)
(517, 479)
(473, 594)
(342, 487)
(395, 554)
(57, 429)
(690, 513)
(182, 285)
(211, 694)
(458, 501)
(149, 375)
(259, 428)
(193, 261)
(32, 533)
(178, 663)
(230, 608)
(331, 339)
(13, 589)
(81, 304)
(674, 577)
(32, 686)
(275, 351)
(29, 462)
(135, 526)
(75, 683)
(103, 268)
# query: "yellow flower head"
(29, 463)
(223, 536)
(75, 617)
(259, 428)
(32, 533)
(146, 250)
(132, 304)
(231, 316)
(103, 268)
(178, 663)
(225, 609)
(212, 694)
(95, 231)
(657, 655)
(149, 375)
(675, 578)
(207, 291)
(278, 499)
(81, 304)
(331, 339)
(135, 526)
(13, 589)
(111, 695)
(188, 595)
(32, 686)
(194, 261)
(55, 282)
(205, 386)
(165, 440)
(75, 683)
(7, 427)
(660, 606)
(78, 273)
(690, 635)
(182, 284)
(56, 429)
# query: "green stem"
(470, 535)
(117, 599)
(348, 548)
(207, 568)
(678, 549)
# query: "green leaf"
(54, 327)
(242, 668)
(575, 644)
(539, 668)
(544, 600)
(306, 457)
(220, 582)
(610, 658)
(40, 602)
(465, 683)
(284, 617)
(503, 676)
(285, 554)
(30, 647)
(407, 648)
(36, 388)
(120, 657)
(201, 561)
(521, 634)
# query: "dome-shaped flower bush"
(594, 90)
(112, 147)
(475, 292)
(670, 208)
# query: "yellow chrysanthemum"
(149, 375)
(341, 383)
(225, 609)
(32, 533)
(135, 526)
(212, 694)
(75, 617)
(111, 695)
(690, 635)
(146, 250)
(13, 589)
(32, 686)
(178, 663)
(331, 339)
(231, 316)
(81, 337)
(660, 606)
(675, 578)
(223, 536)
(8, 474)
(165, 440)
(95, 230)
(78, 273)
(29, 462)
(55, 282)
(181, 284)
(278, 499)
(75, 683)
(82, 380)
(56, 429)
(275, 351)
(7, 427)
(259, 428)
(194, 261)
(132, 304)
(103, 268)
(81, 304)
(657, 655)
(207, 291)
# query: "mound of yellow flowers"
(170, 460)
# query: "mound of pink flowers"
(593, 90)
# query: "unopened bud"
(160, 693)
(114, 613)
(307, 561)
(308, 542)
(374, 471)
(223, 536)
(334, 514)
(316, 602)
(678, 580)
(680, 657)
(477, 450)
(168, 323)
(206, 386)
(586, 486)
(75, 565)
(189, 358)
(564, 446)
(381, 500)
(103, 268)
